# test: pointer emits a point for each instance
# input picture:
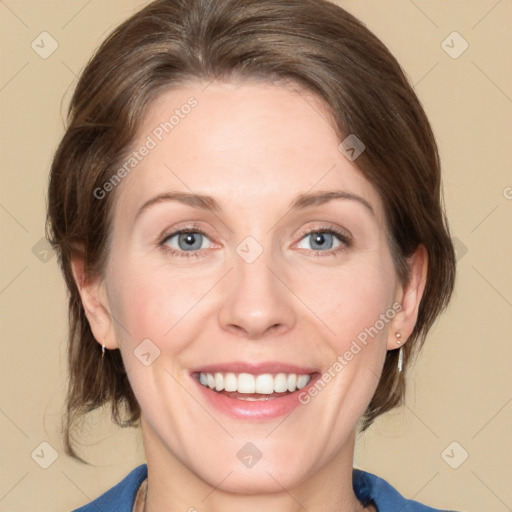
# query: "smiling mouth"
(246, 386)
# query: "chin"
(257, 480)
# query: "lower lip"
(257, 409)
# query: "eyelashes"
(344, 239)
(190, 230)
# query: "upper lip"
(254, 368)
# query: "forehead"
(246, 144)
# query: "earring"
(400, 359)
(400, 353)
(102, 350)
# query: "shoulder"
(370, 488)
(119, 498)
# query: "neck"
(171, 485)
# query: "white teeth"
(264, 384)
(292, 382)
(246, 383)
(230, 382)
(302, 380)
(219, 381)
(280, 383)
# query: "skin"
(253, 147)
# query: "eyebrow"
(205, 202)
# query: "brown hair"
(314, 44)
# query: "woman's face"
(280, 280)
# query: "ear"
(409, 297)
(95, 302)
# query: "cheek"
(154, 315)
(351, 299)
(356, 306)
(151, 306)
(165, 305)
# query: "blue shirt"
(368, 488)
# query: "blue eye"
(323, 240)
(320, 240)
(187, 241)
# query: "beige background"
(460, 389)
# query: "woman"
(246, 205)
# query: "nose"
(257, 301)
